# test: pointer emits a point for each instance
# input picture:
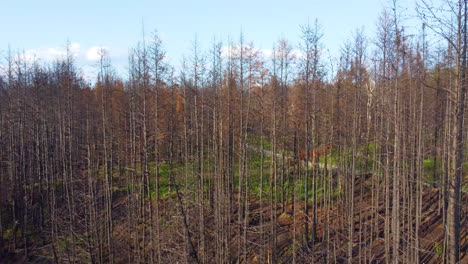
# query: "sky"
(42, 28)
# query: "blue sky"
(43, 27)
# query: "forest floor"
(368, 245)
(331, 242)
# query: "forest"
(238, 156)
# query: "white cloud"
(2, 70)
(49, 54)
(267, 53)
(299, 54)
(233, 50)
(225, 51)
(94, 53)
(75, 48)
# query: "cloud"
(75, 47)
(267, 53)
(298, 54)
(225, 51)
(3, 70)
(94, 53)
(233, 50)
(51, 53)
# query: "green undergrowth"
(258, 142)
(258, 179)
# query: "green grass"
(254, 166)
(257, 141)
(331, 158)
(165, 189)
(8, 233)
